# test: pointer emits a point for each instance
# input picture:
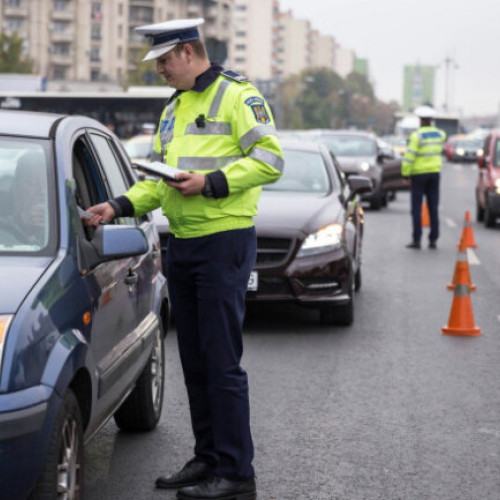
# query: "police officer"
(218, 130)
(422, 163)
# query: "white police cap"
(425, 112)
(163, 37)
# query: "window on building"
(95, 54)
(95, 75)
(14, 24)
(119, 52)
(141, 14)
(240, 60)
(96, 32)
(96, 11)
(120, 9)
(120, 30)
(241, 8)
(61, 49)
(59, 73)
(14, 3)
(59, 26)
(241, 46)
(241, 34)
(60, 4)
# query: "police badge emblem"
(258, 107)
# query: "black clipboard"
(159, 169)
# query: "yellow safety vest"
(424, 152)
(226, 127)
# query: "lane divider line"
(450, 222)
(472, 257)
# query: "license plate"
(253, 282)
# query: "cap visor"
(159, 51)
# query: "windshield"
(349, 145)
(304, 171)
(24, 196)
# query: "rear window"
(27, 222)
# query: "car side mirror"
(112, 242)
(359, 184)
(384, 155)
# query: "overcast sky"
(395, 33)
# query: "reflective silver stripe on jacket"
(436, 153)
(166, 136)
(267, 157)
(205, 163)
(209, 128)
(254, 134)
(215, 106)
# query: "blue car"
(83, 310)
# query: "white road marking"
(472, 257)
(450, 222)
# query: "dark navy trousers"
(207, 281)
(425, 185)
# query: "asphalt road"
(386, 409)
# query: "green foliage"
(145, 72)
(320, 98)
(12, 59)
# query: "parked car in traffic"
(362, 153)
(140, 147)
(488, 182)
(464, 149)
(83, 310)
(309, 234)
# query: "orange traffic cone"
(461, 321)
(461, 266)
(426, 221)
(467, 232)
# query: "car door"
(390, 162)
(482, 182)
(111, 291)
(145, 267)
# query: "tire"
(357, 279)
(339, 315)
(62, 476)
(141, 411)
(489, 217)
(479, 212)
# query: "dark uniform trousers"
(428, 185)
(207, 281)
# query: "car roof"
(327, 131)
(300, 144)
(26, 123)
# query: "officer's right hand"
(103, 212)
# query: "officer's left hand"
(190, 183)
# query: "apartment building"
(322, 50)
(344, 60)
(295, 44)
(94, 40)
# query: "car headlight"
(460, 151)
(497, 185)
(479, 152)
(326, 239)
(4, 326)
(365, 166)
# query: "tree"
(145, 72)
(12, 59)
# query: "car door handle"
(131, 279)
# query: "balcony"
(61, 36)
(63, 15)
(15, 11)
(61, 59)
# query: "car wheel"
(141, 411)
(357, 279)
(479, 212)
(339, 315)
(378, 200)
(62, 476)
(489, 216)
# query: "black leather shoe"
(413, 244)
(432, 244)
(195, 471)
(218, 488)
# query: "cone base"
(451, 286)
(474, 332)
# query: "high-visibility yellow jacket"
(424, 152)
(226, 132)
